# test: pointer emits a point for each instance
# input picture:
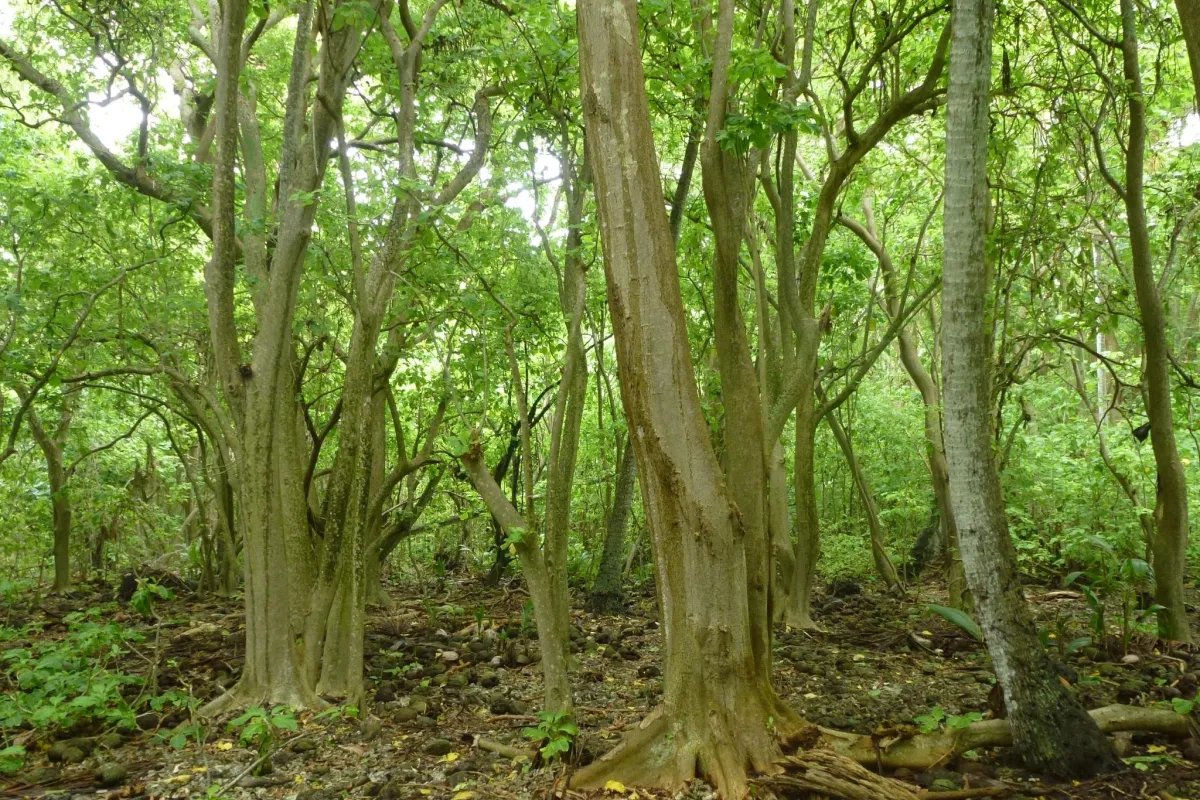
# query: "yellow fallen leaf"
(181, 778)
(299, 779)
(614, 786)
(199, 769)
(463, 796)
(810, 696)
(449, 758)
(427, 791)
(224, 745)
(1156, 748)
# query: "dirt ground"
(453, 680)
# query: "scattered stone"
(505, 705)
(649, 671)
(1130, 658)
(147, 721)
(405, 714)
(111, 774)
(438, 747)
(305, 745)
(111, 741)
(370, 729)
(41, 775)
(449, 656)
(385, 694)
(1123, 743)
(1190, 749)
(489, 680)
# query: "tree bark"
(607, 595)
(1050, 729)
(1170, 541)
(52, 445)
(1189, 20)
(718, 705)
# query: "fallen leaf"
(449, 758)
(224, 745)
(614, 786)
(463, 796)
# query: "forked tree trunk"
(1170, 540)
(718, 705)
(1050, 729)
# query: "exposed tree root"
(241, 696)
(662, 755)
(923, 751)
(824, 773)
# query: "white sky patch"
(545, 168)
(1187, 132)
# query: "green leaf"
(958, 617)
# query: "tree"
(718, 703)
(1050, 729)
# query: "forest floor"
(441, 693)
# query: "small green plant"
(1124, 579)
(554, 734)
(12, 759)
(58, 684)
(259, 729)
(143, 599)
(527, 617)
(338, 713)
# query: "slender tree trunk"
(728, 182)
(798, 613)
(607, 596)
(1050, 729)
(1170, 541)
(52, 445)
(931, 402)
(883, 562)
(718, 703)
(1189, 20)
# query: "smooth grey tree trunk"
(1050, 729)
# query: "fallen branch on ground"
(926, 750)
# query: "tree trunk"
(607, 596)
(1050, 729)
(728, 181)
(1170, 541)
(798, 613)
(52, 445)
(1189, 20)
(883, 563)
(931, 402)
(718, 705)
